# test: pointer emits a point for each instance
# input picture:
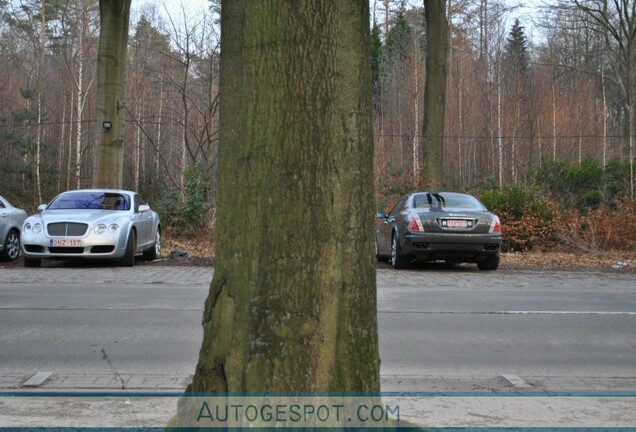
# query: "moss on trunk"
(292, 306)
(111, 91)
(432, 174)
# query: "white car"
(11, 220)
(92, 223)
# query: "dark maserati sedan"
(439, 226)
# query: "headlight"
(27, 227)
(37, 228)
(102, 228)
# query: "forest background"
(540, 128)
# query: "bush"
(184, 212)
(527, 220)
(195, 205)
(531, 221)
(602, 229)
(583, 186)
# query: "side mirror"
(41, 207)
(143, 208)
(381, 215)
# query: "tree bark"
(111, 90)
(292, 306)
(435, 93)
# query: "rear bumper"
(451, 247)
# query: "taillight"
(415, 224)
(495, 226)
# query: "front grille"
(67, 229)
(66, 250)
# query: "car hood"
(86, 216)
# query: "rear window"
(91, 200)
(446, 200)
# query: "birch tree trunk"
(500, 155)
(111, 90)
(416, 113)
(292, 306)
(554, 119)
(81, 100)
(40, 78)
(70, 146)
(604, 115)
(82, 91)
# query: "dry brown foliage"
(570, 260)
(598, 230)
(201, 244)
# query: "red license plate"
(457, 223)
(65, 243)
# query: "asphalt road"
(554, 330)
(440, 328)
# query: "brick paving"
(106, 275)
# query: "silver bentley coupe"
(92, 223)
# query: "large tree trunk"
(292, 306)
(111, 90)
(435, 93)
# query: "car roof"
(121, 191)
(440, 192)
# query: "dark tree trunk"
(111, 91)
(292, 306)
(434, 94)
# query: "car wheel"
(11, 246)
(129, 256)
(490, 263)
(32, 262)
(398, 261)
(155, 250)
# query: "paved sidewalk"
(469, 410)
(390, 383)
(107, 275)
(95, 382)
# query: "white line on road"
(566, 313)
(624, 313)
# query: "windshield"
(446, 200)
(90, 200)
